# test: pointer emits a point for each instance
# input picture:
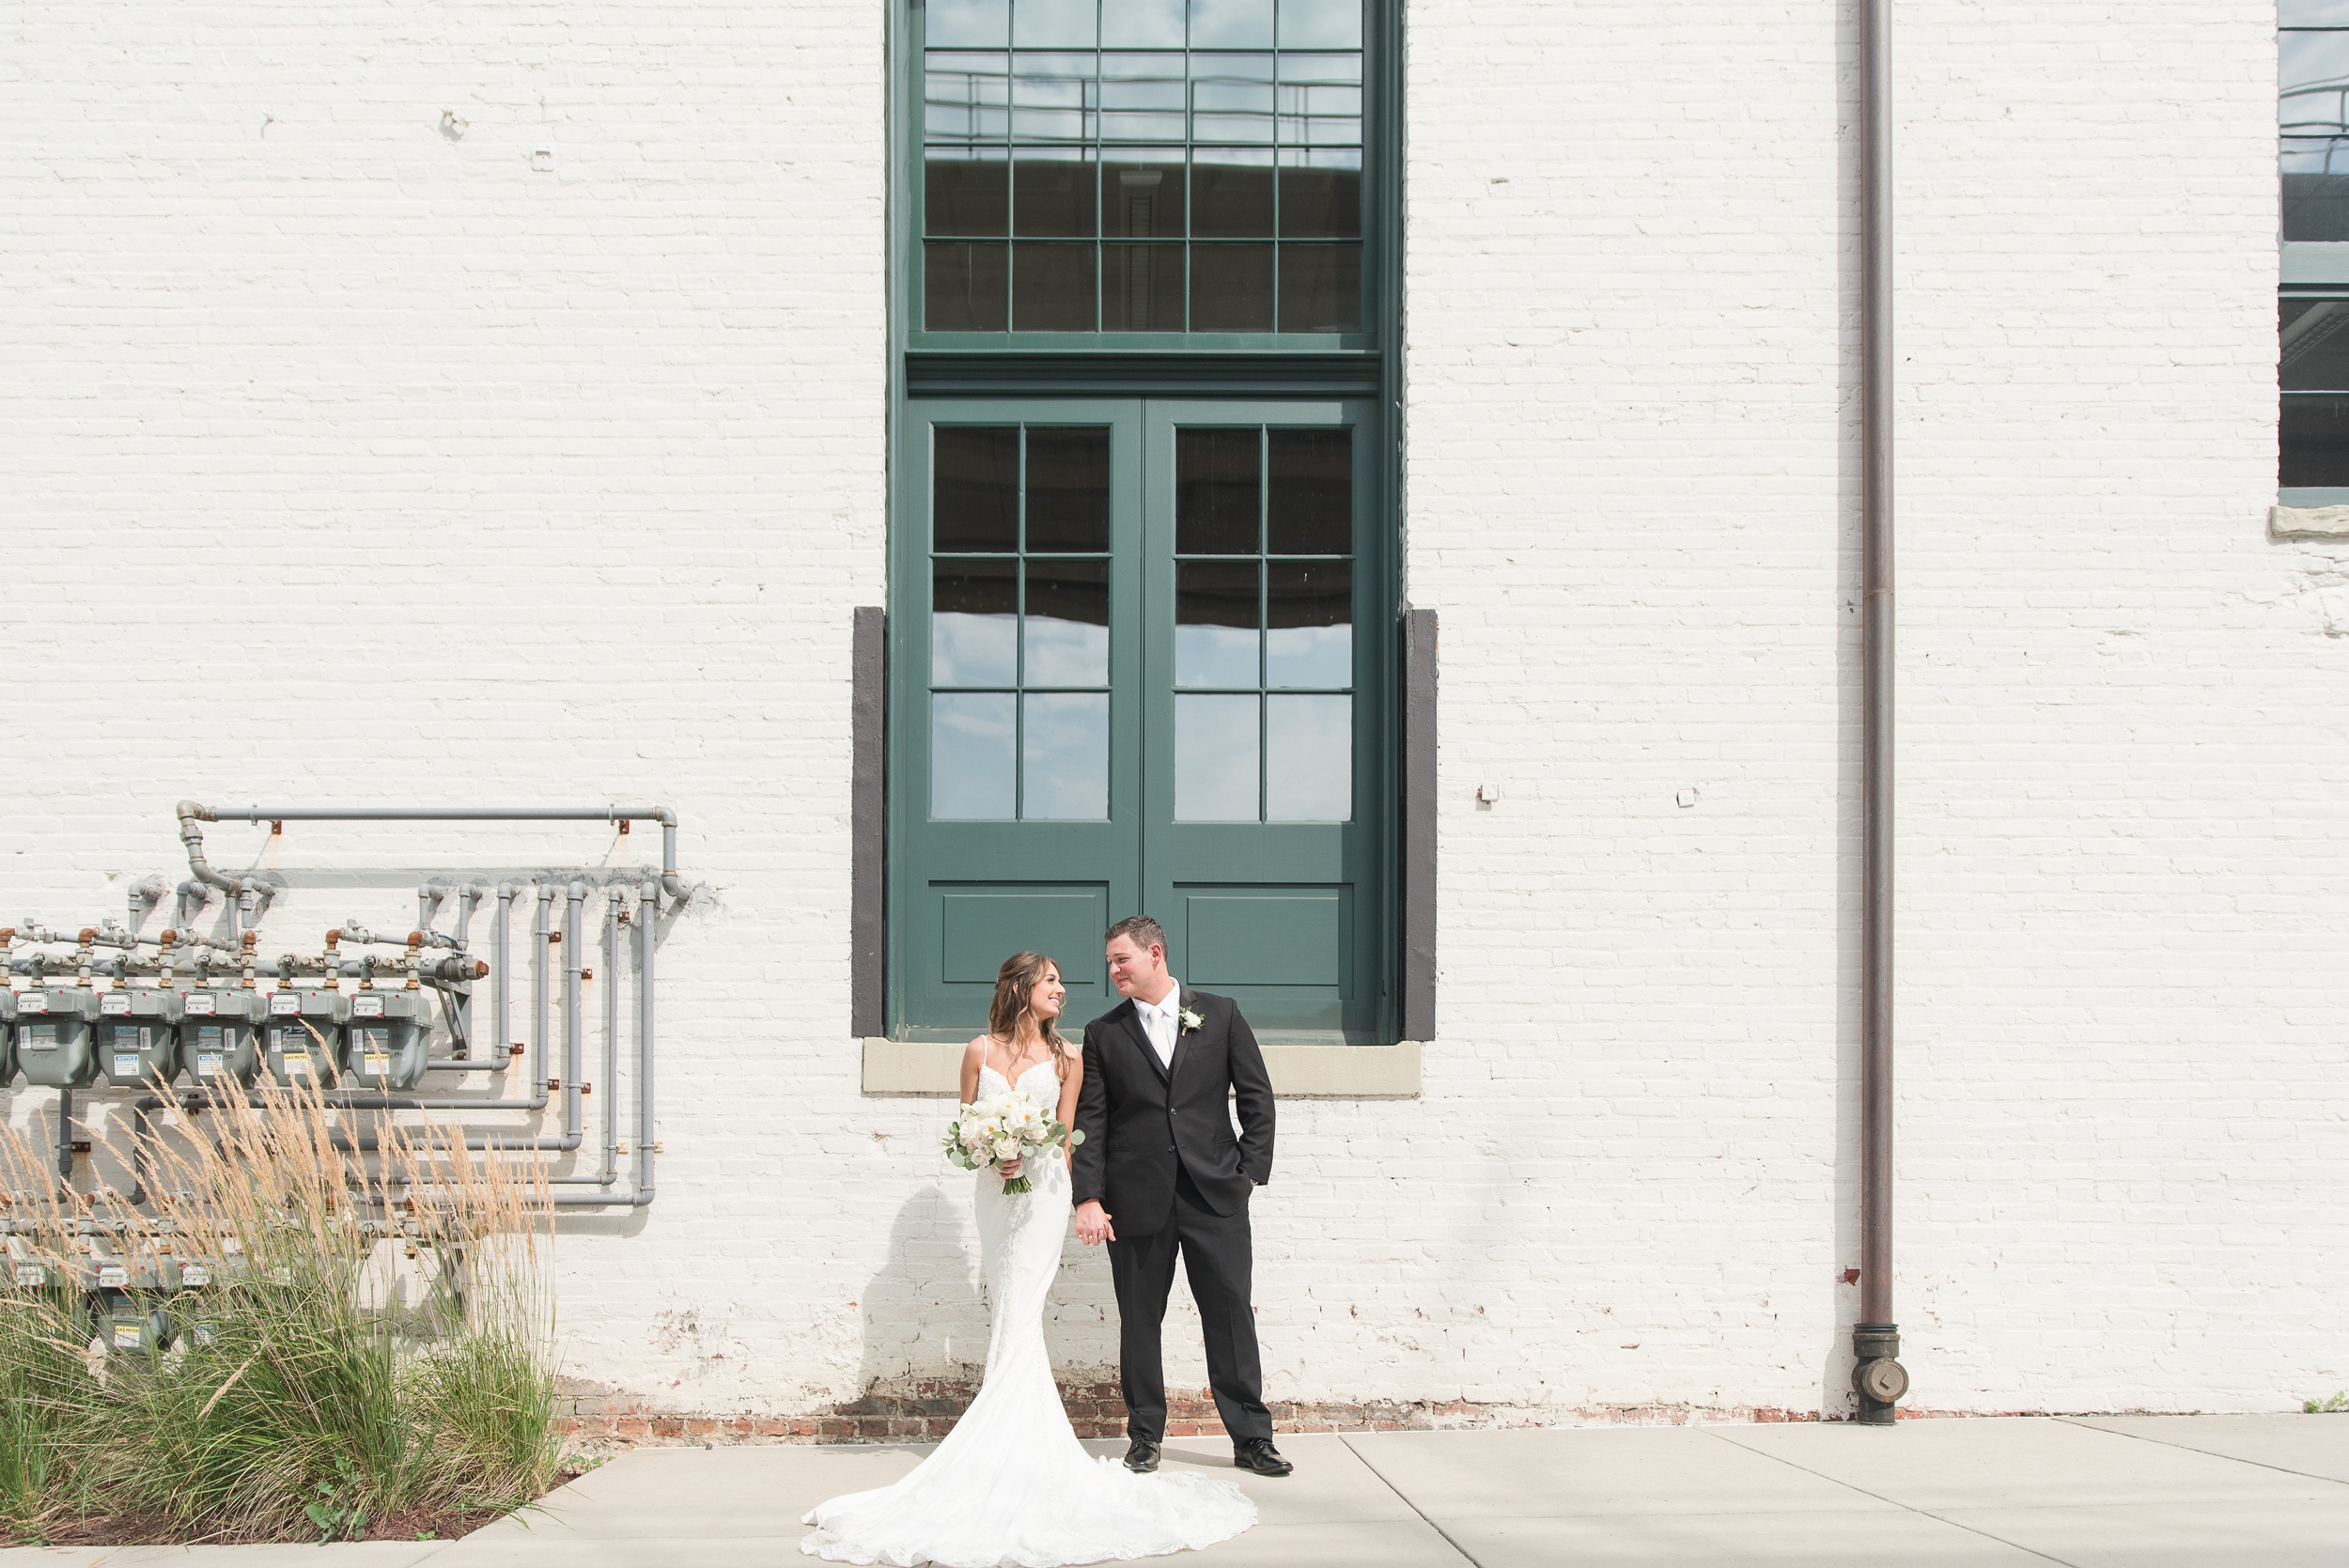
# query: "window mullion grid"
(1190, 170)
(1019, 646)
(1264, 620)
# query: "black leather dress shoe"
(1258, 1455)
(1142, 1456)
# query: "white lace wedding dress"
(1011, 1487)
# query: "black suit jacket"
(1141, 1118)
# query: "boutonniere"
(1190, 1020)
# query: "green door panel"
(1286, 953)
(1250, 937)
(980, 926)
(1211, 749)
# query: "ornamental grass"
(372, 1344)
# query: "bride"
(1011, 1487)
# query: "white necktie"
(1162, 1032)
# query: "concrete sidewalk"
(2113, 1492)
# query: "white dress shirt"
(1162, 1021)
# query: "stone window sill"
(2308, 523)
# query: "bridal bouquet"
(1006, 1127)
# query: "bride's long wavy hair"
(1015, 983)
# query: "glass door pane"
(1267, 605)
(1140, 654)
(1016, 642)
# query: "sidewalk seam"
(2208, 1453)
(1912, 1508)
(1466, 1555)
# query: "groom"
(1160, 1172)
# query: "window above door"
(1130, 175)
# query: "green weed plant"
(376, 1337)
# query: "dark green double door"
(1141, 655)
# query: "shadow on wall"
(926, 1324)
(925, 1312)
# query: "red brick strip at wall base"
(925, 1409)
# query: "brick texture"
(348, 454)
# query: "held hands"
(1093, 1224)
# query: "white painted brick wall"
(344, 461)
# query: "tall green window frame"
(1181, 218)
(2312, 168)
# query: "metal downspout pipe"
(1877, 1377)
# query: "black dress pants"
(1218, 1256)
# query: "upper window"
(1141, 166)
(2312, 118)
(2312, 153)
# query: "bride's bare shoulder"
(974, 1054)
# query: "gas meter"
(53, 1037)
(193, 1316)
(220, 1036)
(7, 1036)
(64, 1287)
(306, 1037)
(387, 1039)
(129, 1315)
(138, 1036)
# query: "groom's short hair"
(1141, 930)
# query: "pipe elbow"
(190, 813)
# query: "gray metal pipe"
(1879, 1378)
(575, 896)
(540, 931)
(505, 959)
(649, 908)
(437, 814)
(612, 905)
(368, 1143)
(192, 813)
(144, 895)
(647, 911)
(468, 895)
(357, 1099)
(192, 837)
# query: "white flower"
(1190, 1020)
